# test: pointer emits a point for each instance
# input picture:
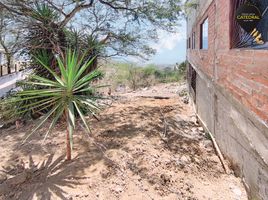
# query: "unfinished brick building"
(228, 83)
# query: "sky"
(171, 48)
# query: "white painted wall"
(8, 82)
(1, 57)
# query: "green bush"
(134, 76)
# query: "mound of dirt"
(147, 149)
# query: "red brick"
(242, 72)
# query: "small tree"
(148, 75)
(134, 77)
(68, 96)
(10, 36)
(182, 70)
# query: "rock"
(185, 159)
(165, 179)
(208, 144)
(237, 191)
(3, 177)
(146, 88)
(118, 189)
(193, 130)
(196, 160)
(201, 129)
(185, 100)
(146, 188)
(105, 174)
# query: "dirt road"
(152, 149)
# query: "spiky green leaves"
(67, 96)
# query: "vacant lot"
(147, 149)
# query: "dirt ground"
(150, 149)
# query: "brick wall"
(241, 72)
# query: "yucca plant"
(68, 96)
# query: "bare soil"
(150, 149)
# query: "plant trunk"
(7, 54)
(8, 64)
(68, 146)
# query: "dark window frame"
(193, 40)
(206, 19)
(189, 43)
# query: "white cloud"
(168, 41)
